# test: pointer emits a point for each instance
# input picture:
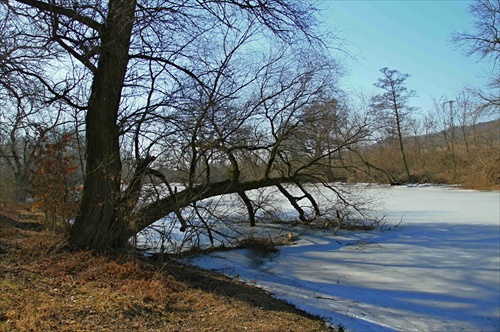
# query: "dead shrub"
(266, 245)
(54, 189)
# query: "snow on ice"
(439, 270)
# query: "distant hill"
(486, 131)
(490, 129)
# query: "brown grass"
(47, 287)
(266, 245)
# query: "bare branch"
(51, 8)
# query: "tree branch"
(51, 8)
(159, 209)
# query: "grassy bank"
(45, 286)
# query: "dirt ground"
(46, 286)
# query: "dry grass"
(47, 287)
(266, 245)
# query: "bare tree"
(325, 126)
(467, 139)
(446, 120)
(392, 109)
(22, 116)
(202, 89)
(484, 42)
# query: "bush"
(53, 188)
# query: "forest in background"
(439, 150)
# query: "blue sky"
(410, 36)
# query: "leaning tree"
(205, 98)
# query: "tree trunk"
(401, 146)
(98, 226)
(158, 209)
(405, 163)
(21, 186)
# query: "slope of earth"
(46, 287)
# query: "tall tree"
(392, 110)
(194, 87)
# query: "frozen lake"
(439, 270)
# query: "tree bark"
(97, 225)
(401, 147)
